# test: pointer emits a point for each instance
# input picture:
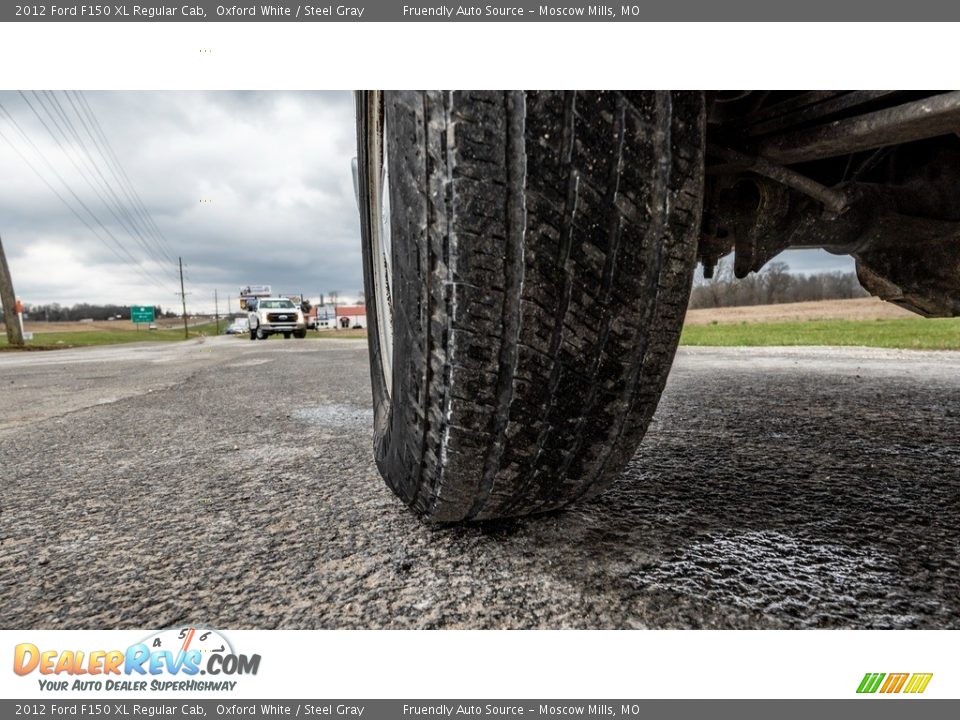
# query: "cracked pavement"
(232, 484)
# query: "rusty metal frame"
(917, 120)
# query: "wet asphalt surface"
(231, 484)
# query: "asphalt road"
(230, 484)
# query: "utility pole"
(183, 299)
(9, 301)
(216, 309)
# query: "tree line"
(774, 284)
(54, 312)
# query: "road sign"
(141, 314)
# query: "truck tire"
(261, 335)
(527, 266)
(300, 334)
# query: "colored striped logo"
(894, 682)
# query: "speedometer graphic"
(183, 639)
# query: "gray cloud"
(815, 261)
(273, 168)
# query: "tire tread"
(548, 244)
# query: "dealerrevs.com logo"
(170, 660)
(911, 683)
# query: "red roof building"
(351, 316)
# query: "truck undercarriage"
(528, 259)
(871, 174)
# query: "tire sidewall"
(366, 110)
(397, 442)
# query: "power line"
(126, 186)
(119, 246)
(83, 173)
(127, 220)
(138, 201)
(70, 207)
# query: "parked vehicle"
(528, 258)
(238, 327)
(275, 315)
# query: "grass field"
(913, 333)
(865, 322)
(102, 336)
(56, 336)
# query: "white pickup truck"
(271, 315)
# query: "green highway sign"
(141, 314)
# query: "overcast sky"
(248, 187)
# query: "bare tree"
(776, 279)
(775, 284)
(717, 287)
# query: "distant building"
(323, 317)
(351, 316)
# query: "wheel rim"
(379, 178)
